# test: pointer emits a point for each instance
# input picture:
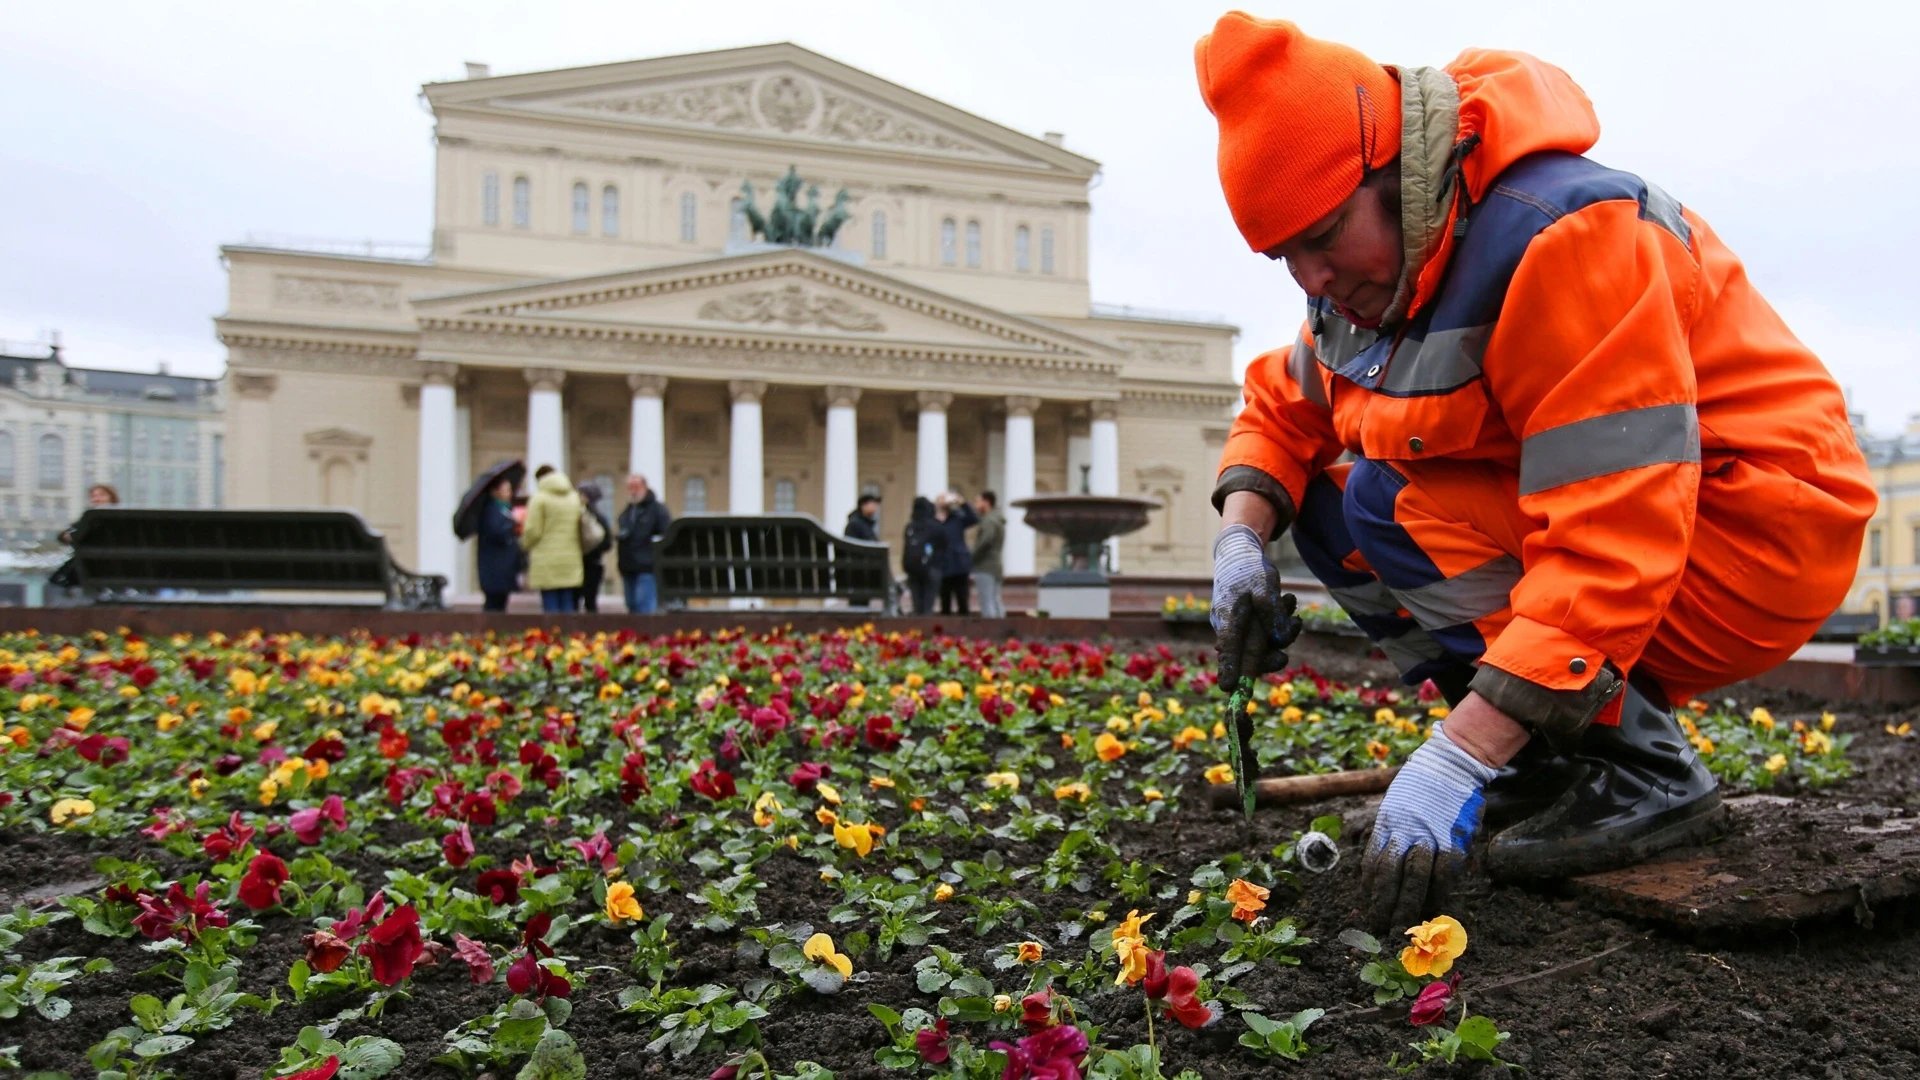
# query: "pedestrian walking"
(988, 539)
(551, 539)
(594, 560)
(863, 521)
(644, 519)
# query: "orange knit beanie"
(1301, 122)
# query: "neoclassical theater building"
(594, 298)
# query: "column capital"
(1019, 405)
(646, 384)
(933, 400)
(748, 391)
(545, 378)
(439, 372)
(256, 387)
(841, 396)
(1104, 410)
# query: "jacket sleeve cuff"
(1247, 478)
(1546, 678)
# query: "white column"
(1016, 552)
(463, 582)
(546, 420)
(647, 437)
(843, 456)
(1104, 477)
(436, 550)
(930, 470)
(746, 485)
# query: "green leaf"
(555, 1058)
(148, 1010)
(823, 980)
(54, 1008)
(787, 957)
(297, 977)
(517, 1035)
(932, 980)
(369, 1056)
(161, 1045)
(1326, 823)
(1479, 1033)
(1360, 939)
(885, 1015)
(1261, 1026)
(97, 965)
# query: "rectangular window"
(490, 199)
(949, 243)
(610, 211)
(522, 203)
(190, 488)
(137, 491)
(164, 496)
(696, 500)
(1022, 249)
(219, 470)
(689, 218)
(163, 442)
(139, 442)
(973, 244)
(1046, 249)
(879, 234)
(190, 443)
(582, 209)
(1873, 547)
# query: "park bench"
(156, 555)
(769, 557)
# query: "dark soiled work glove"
(1253, 621)
(1428, 817)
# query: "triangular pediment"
(784, 291)
(780, 93)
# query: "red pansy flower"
(394, 946)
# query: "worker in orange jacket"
(1591, 473)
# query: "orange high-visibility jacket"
(1577, 325)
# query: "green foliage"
(1279, 1038)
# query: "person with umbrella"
(486, 511)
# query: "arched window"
(689, 218)
(1022, 256)
(582, 210)
(522, 203)
(973, 244)
(1046, 249)
(6, 459)
(737, 221)
(53, 462)
(610, 211)
(879, 245)
(784, 493)
(695, 501)
(949, 243)
(490, 198)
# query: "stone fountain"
(1078, 587)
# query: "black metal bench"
(155, 555)
(767, 556)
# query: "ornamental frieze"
(341, 294)
(792, 306)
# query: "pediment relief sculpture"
(784, 103)
(792, 306)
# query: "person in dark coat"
(863, 521)
(644, 518)
(956, 517)
(498, 547)
(593, 564)
(924, 557)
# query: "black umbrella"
(466, 518)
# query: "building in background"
(593, 298)
(156, 438)
(1888, 584)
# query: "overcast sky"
(136, 138)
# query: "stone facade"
(592, 299)
(1888, 582)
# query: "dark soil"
(1818, 999)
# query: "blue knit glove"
(1428, 817)
(1253, 621)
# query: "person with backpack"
(924, 557)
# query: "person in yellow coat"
(551, 539)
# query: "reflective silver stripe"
(1616, 442)
(1373, 598)
(1300, 364)
(1443, 360)
(1338, 341)
(1411, 649)
(1664, 210)
(1479, 592)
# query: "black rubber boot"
(1638, 789)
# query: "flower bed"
(801, 856)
